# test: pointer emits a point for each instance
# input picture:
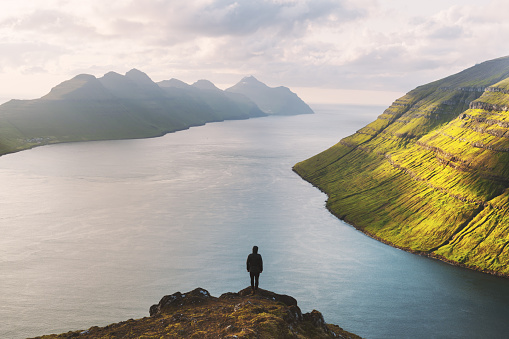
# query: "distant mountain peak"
(251, 80)
(138, 76)
(279, 100)
(135, 71)
(134, 84)
(81, 87)
(205, 84)
(112, 74)
(84, 77)
(173, 83)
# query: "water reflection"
(95, 233)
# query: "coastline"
(430, 255)
(55, 142)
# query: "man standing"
(254, 267)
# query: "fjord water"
(95, 233)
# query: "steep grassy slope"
(431, 174)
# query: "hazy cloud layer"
(350, 44)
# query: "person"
(254, 265)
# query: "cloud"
(238, 18)
(352, 44)
(229, 37)
(34, 70)
(26, 55)
(50, 22)
(397, 51)
(448, 33)
(248, 17)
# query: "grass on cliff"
(430, 174)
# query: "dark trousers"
(254, 279)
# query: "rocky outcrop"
(176, 300)
(497, 89)
(197, 314)
(486, 106)
(430, 175)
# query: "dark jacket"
(254, 262)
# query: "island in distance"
(132, 106)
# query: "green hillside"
(114, 106)
(130, 106)
(431, 173)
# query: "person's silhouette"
(254, 265)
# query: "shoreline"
(56, 142)
(408, 250)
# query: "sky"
(327, 51)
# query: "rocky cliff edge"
(197, 314)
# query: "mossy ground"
(233, 315)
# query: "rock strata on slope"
(430, 174)
(197, 314)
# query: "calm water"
(95, 233)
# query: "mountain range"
(130, 106)
(278, 100)
(431, 174)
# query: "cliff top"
(197, 314)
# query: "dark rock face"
(200, 295)
(196, 296)
(285, 299)
(488, 106)
(286, 317)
